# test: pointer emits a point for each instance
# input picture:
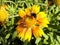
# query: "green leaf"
(58, 38)
(14, 35)
(37, 40)
(45, 36)
(7, 36)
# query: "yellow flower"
(3, 15)
(35, 9)
(32, 21)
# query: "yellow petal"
(35, 9)
(37, 32)
(41, 32)
(41, 15)
(28, 11)
(22, 34)
(43, 22)
(28, 35)
(22, 13)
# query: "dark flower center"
(33, 14)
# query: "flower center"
(33, 14)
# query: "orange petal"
(20, 21)
(22, 34)
(35, 32)
(19, 29)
